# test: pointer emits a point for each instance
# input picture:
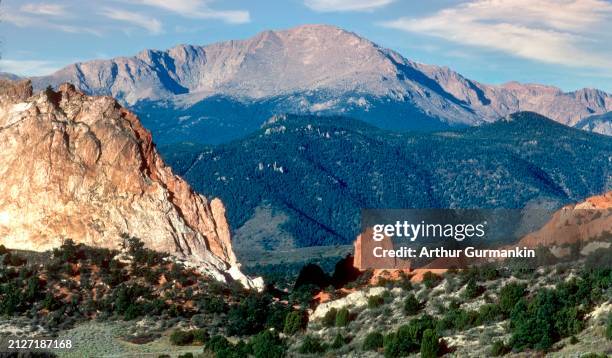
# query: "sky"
(565, 43)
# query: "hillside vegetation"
(81, 293)
(304, 179)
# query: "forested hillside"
(307, 178)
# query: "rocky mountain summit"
(320, 69)
(84, 168)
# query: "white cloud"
(28, 67)
(345, 5)
(199, 9)
(568, 32)
(26, 21)
(44, 9)
(148, 23)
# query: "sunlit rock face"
(84, 168)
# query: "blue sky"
(566, 43)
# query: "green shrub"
(458, 319)
(222, 348)
(431, 280)
(294, 321)
(181, 338)
(609, 327)
(472, 290)
(430, 346)
(249, 316)
(499, 349)
(412, 305)
(533, 322)
(200, 335)
(268, 344)
(407, 338)
(373, 341)
(342, 317)
(489, 312)
(329, 320)
(338, 341)
(217, 343)
(277, 313)
(509, 295)
(311, 345)
(213, 304)
(375, 301)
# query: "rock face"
(601, 123)
(319, 68)
(496, 101)
(582, 222)
(83, 168)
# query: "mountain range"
(223, 91)
(301, 180)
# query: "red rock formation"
(365, 259)
(84, 168)
(573, 223)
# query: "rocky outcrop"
(84, 168)
(586, 221)
(601, 123)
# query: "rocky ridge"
(320, 68)
(84, 168)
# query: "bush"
(542, 321)
(342, 317)
(375, 301)
(459, 319)
(248, 317)
(311, 345)
(200, 335)
(329, 320)
(407, 338)
(373, 341)
(489, 312)
(431, 280)
(499, 349)
(609, 327)
(412, 305)
(222, 348)
(338, 341)
(430, 346)
(213, 304)
(181, 338)
(268, 344)
(294, 321)
(509, 295)
(472, 290)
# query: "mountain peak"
(322, 68)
